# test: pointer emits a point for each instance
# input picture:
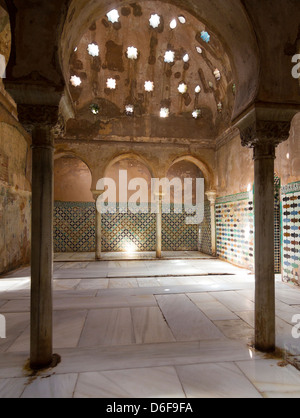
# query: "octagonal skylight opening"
(169, 57)
(94, 109)
(164, 112)
(186, 58)
(182, 19)
(196, 113)
(75, 81)
(93, 50)
(199, 50)
(205, 36)
(154, 21)
(198, 89)
(173, 24)
(132, 53)
(111, 83)
(129, 109)
(182, 88)
(113, 16)
(217, 74)
(149, 86)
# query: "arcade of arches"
(193, 89)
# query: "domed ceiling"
(150, 70)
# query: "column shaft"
(159, 229)
(264, 249)
(212, 195)
(213, 229)
(41, 249)
(98, 235)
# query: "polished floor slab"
(117, 256)
(222, 380)
(149, 328)
(130, 383)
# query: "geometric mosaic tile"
(74, 230)
(291, 236)
(235, 232)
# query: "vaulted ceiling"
(183, 63)
(251, 43)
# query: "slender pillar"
(98, 232)
(41, 248)
(212, 195)
(263, 128)
(264, 156)
(159, 197)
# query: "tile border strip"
(234, 198)
(291, 188)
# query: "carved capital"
(265, 132)
(59, 128)
(31, 116)
(264, 126)
(97, 194)
(211, 196)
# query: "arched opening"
(177, 234)
(74, 211)
(130, 226)
(5, 42)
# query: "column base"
(51, 364)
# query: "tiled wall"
(205, 231)
(122, 229)
(277, 226)
(176, 234)
(74, 227)
(74, 230)
(235, 229)
(291, 232)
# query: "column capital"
(97, 193)
(265, 132)
(211, 196)
(36, 115)
(265, 125)
(38, 100)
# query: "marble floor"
(172, 328)
(144, 255)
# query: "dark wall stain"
(125, 11)
(93, 27)
(114, 56)
(137, 9)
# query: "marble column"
(263, 135)
(41, 248)
(264, 156)
(211, 196)
(159, 197)
(98, 226)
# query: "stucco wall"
(15, 199)
(72, 180)
(287, 163)
(235, 169)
